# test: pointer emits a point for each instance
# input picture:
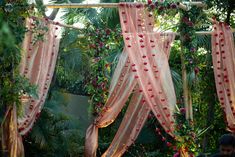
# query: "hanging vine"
(101, 44)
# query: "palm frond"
(192, 79)
(111, 14)
(177, 81)
(204, 41)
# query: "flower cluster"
(160, 7)
(185, 133)
(187, 29)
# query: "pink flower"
(168, 144)
(107, 65)
(185, 19)
(177, 154)
(161, 8)
(149, 2)
(108, 31)
(92, 46)
(101, 44)
(190, 24)
(196, 70)
(182, 110)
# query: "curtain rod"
(74, 27)
(114, 5)
(177, 34)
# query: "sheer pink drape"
(223, 53)
(143, 67)
(37, 64)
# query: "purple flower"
(94, 83)
(193, 49)
(173, 6)
(190, 61)
(101, 44)
(156, 4)
(182, 110)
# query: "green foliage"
(187, 28)
(72, 66)
(55, 133)
(222, 10)
(90, 60)
(12, 30)
(101, 43)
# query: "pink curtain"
(37, 64)
(223, 54)
(143, 67)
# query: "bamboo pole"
(82, 5)
(113, 5)
(56, 23)
(190, 105)
(81, 35)
(185, 84)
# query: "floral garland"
(186, 134)
(161, 8)
(162, 5)
(185, 129)
(101, 43)
(187, 29)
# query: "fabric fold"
(121, 86)
(37, 64)
(145, 70)
(223, 55)
(132, 123)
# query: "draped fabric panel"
(143, 67)
(223, 54)
(121, 87)
(130, 127)
(11, 140)
(138, 109)
(37, 64)
(145, 49)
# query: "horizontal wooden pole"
(112, 5)
(81, 35)
(177, 34)
(82, 5)
(198, 4)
